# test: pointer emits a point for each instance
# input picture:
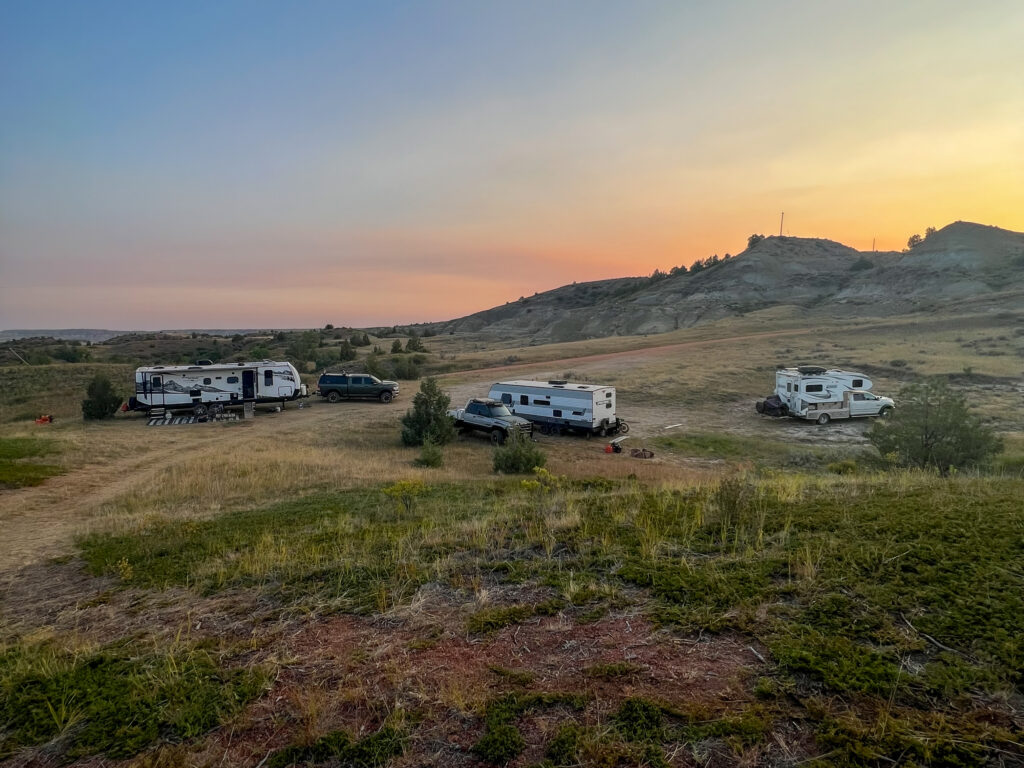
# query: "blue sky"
(270, 164)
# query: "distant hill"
(94, 335)
(968, 265)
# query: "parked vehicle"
(483, 414)
(210, 388)
(821, 395)
(344, 386)
(557, 406)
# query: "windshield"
(499, 410)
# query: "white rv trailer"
(562, 405)
(820, 394)
(206, 388)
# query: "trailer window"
(607, 405)
(506, 398)
(556, 413)
(789, 386)
(858, 383)
(232, 379)
(524, 400)
(813, 388)
(157, 383)
(542, 402)
(268, 378)
(207, 380)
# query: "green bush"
(518, 456)
(640, 720)
(934, 427)
(101, 401)
(428, 418)
(405, 368)
(430, 454)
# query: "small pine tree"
(754, 240)
(101, 401)
(934, 427)
(430, 454)
(414, 344)
(428, 418)
(396, 347)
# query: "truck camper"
(557, 406)
(210, 388)
(822, 394)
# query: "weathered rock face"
(962, 262)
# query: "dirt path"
(642, 353)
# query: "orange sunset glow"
(367, 166)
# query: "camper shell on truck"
(210, 388)
(557, 406)
(822, 394)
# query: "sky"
(278, 165)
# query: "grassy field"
(295, 590)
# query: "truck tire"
(387, 396)
(497, 437)
(824, 419)
(885, 413)
(759, 406)
(333, 396)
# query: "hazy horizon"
(252, 165)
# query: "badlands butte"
(963, 267)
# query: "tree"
(934, 427)
(754, 240)
(101, 401)
(914, 241)
(929, 232)
(414, 344)
(396, 346)
(428, 417)
(329, 327)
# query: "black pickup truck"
(339, 386)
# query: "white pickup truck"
(821, 395)
(483, 414)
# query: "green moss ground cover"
(892, 604)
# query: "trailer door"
(249, 385)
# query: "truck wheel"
(885, 413)
(759, 406)
(386, 397)
(497, 437)
(200, 409)
(333, 396)
(824, 418)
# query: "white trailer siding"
(183, 386)
(804, 392)
(578, 406)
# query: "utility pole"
(26, 362)
(782, 218)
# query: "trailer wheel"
(200, 409)
(824, 418)
(623, 428)
(386, 396)
(217, 409)
(333, 396)
(545, 429)
(497, 437)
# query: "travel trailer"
(558, 406)
(210, 388)
(821, 395)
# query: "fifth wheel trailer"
(562, 405)
(206, 388)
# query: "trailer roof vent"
(204, 362)
(811, 370)
(558, 383)
(195, 367)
